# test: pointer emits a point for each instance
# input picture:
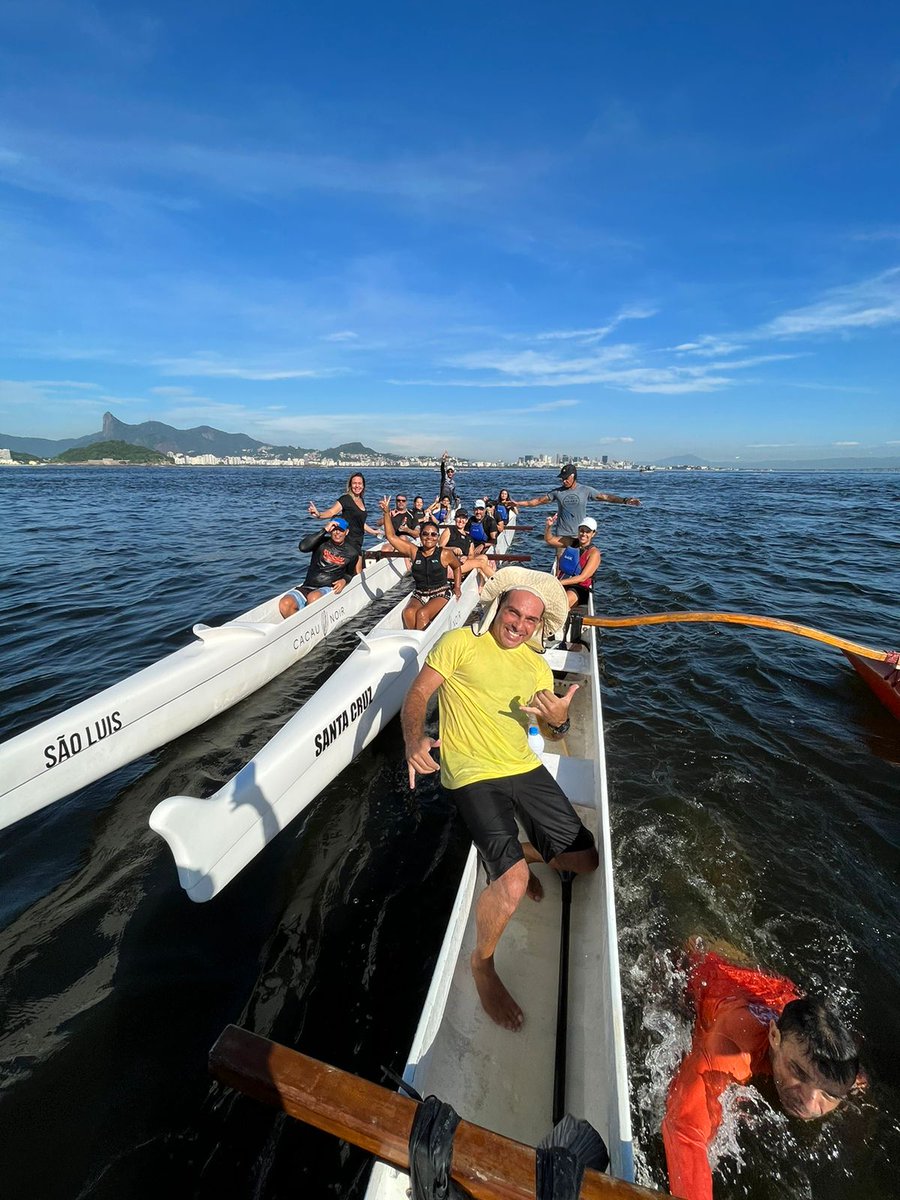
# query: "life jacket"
(477, 533)
(501, 512)
(428, 572)
(569, 562)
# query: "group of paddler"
(491, 683)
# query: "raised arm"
(609, 498)
(419, 759)
(550, 538)
(325, 513)
(531, 503)
(407, 549)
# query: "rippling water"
(753, 781)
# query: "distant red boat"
(882, 677)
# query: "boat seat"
(576, 777)
(573, 662)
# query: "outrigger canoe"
(882, 677)
(559, 958)
(569, 1056)
(213, 839)
(222, 665)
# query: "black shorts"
(582, 591)
(490, 807)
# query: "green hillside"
(120, 451)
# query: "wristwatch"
(559, 730)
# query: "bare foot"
(495, 999)
(535, 889)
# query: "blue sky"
(498, 228)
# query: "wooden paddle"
(728, 618)
(488, 1166)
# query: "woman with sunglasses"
(429, 564)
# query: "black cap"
(461, 512)
(567, 470)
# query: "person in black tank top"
(458, 540)
(429, 564)
(352, 507)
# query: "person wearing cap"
(448, 481)
(333, 564)
(576, 565)
(405, 525)
(571, 499)
(492, 681)
(457, 539)
(483, 529)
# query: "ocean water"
(754, 798)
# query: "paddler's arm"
(325, 513)
(531, 503)
(412, 720)
(550, 538)
(609, 498)
(552, 711)
(451, 562)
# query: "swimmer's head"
(814, 1059)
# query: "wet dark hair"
(429, 524)
(356, 475)
(824, 1037)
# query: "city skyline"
(641, 233)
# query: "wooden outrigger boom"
(487, 1165)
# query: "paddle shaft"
(489, 1166)
(562, 1000)
(728, 618)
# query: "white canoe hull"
(503, 1080)
(223, 665)
(213, 839)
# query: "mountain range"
(166, 439)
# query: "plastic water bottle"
(535, 739)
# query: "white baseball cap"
(589, 522)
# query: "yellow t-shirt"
(483, 730)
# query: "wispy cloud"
(212, 367)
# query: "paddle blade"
(581, 1139)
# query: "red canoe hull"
(882, 677)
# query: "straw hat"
(547, 589)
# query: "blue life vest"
(476, 532)
(570, 562)
(501, 512)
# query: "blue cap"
(340, 523)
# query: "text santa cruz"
(343, 721)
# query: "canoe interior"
(503, 1080)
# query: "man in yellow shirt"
(491, 680)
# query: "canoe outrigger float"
(559, 957)
(213, 839)
(223, 665)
